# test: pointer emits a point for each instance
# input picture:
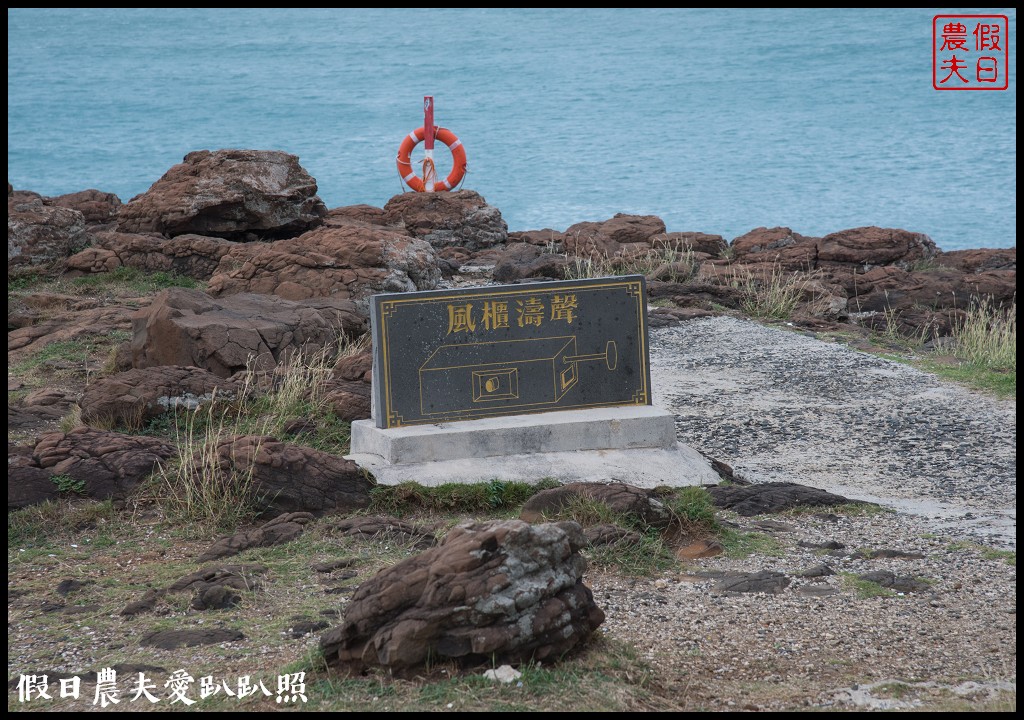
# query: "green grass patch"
(989, 553)
(133, 279)
(68, 485)
(64, 351)
(671, 265)
(774, 296)
(744, 544)
(649, 555)
(693, 509)
(986, 337)
(605, 676)
(865, 589)
(496, 496)
(1001, 383)
(1006, 556)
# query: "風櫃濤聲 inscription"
(447, 355)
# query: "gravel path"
(780, 405)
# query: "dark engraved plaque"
(464, 354)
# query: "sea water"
(716, 120)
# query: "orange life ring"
(458, 160)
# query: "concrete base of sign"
(635, 445)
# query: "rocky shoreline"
(205, 287)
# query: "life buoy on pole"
(446, 136)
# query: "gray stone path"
(777, 404)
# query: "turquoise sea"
(717, 120)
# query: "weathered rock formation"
(462, 218)
(234, 194)
(500, 591)
(132, 398)
(225, 335)
(346, 261)
(286, 478)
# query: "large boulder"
(462, 218)
(777, 246)
(225, 335)
(523, 260)
(867, 247)
(96, 206)
(195, 256)
(234, 194)
(606, 238)
(979, 259)
(287, 478)
(29, 485)
(891, 288)
(99, 463)
(132, 398)
(502, 591)
(346, 261)
(40, 235)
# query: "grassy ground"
(117, 554)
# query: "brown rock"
(871, 246)
(608, 534)
(107, 464)
(604, 239)
(546, 238)
(895, 289)
(174, 639)
(462, 218)
(620, 498)
(359, 215)
(697, 242)
(57, 326)
(97, 207)
(284, 528)
(28, 485)
(355, 366)
(778, 246)
(350, 400)
(521, 260)
(979, 260)
(132, 398)
(40, 235)
(235, 194)
(772, 497)
(340, 262)
(187, 327)
(291, 478)
(384, 526)
(501, 591)
(194, 256)
(700, 549)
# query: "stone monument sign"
(447, 355)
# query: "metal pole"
(429, 174)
